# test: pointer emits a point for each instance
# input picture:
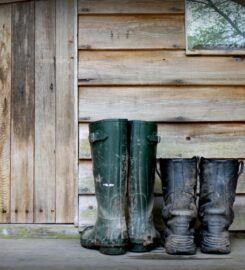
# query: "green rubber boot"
(108, 140)
(142, 161)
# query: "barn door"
(38, 101)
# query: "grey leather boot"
(218, 181)
(179, 179)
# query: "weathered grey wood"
(75, 108)
(88, 210)
(5, 109)
(22, 132)
(12, 1)
(129, 6)
(66, 160)
(171, 104)
(158, 68)
(131, 32)
(45, 87)
(187, 140)
(86, 180)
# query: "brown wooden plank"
(65, 116)
(5, 103)
(86, 180)
(44, 191)
(158, 68)
(129, 6)
(88, 210)
(131, 32)
(22, 132)
(187, 140)
(171, 104)
(11, 1)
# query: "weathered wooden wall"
(132, 64)
(38, 157)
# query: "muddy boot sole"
(180, 245)
(214, 244)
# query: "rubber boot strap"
(97, 136)
(154, 138)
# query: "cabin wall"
(38, 125)
(132, 64)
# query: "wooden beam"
(22, 132)
(129, 6)
(132, 32)
(171, 104)
(44, 190)
(66, 158)
(158, 68)
(225, 140)
(5, 110)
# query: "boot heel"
(215, 244)
(113, 250)
(180, 245)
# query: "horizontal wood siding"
(163, 104)
(132, 64)
(129, 6)
(158, 68)
(188, 140)
(131, 32)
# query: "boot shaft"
(179, 180)
(109, 148)
(142, 162)
(218, 181)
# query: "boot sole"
(180, 245)
(107, 250)
(140, 247)
(215, 244)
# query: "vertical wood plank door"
(22, 130)
(5, 106)
(38, 111)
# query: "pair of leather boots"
(218, 181)
(124, 162)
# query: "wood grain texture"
(158, 68)
(129, 6)
(12, 1)
(188, 140)
(22, 131)
(65, 140)
(131, 32)
(44, 191)
(5, 108)
(88, 210)
(86, 180)
(171, 104)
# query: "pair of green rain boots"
(124, 161)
